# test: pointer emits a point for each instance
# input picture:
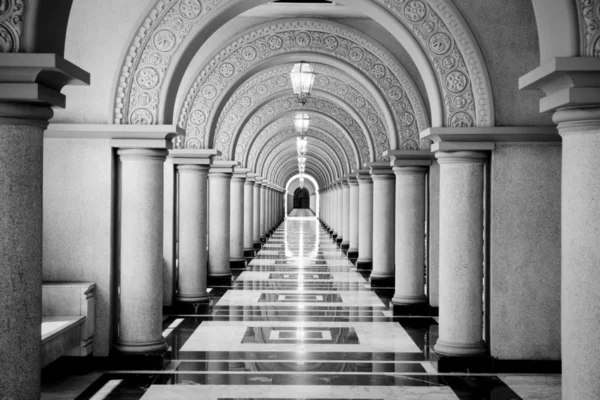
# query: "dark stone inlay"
(300, 298)
(296, 335)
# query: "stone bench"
(68, 315)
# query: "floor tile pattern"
(299, 322)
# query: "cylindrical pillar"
(21, 164)
(410, 239)
(256, 212)
(461, 254)
(383, 226)
(249, 215)
(339, 209)
(345, 215)
(140, 251)
(192, 233)
(580, 321)
(236, 216)
(365, 220)
(219, 181)
(263, 210)
(353, 231)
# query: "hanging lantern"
(301, 146)
(301, 161)
(302, 77)
(301, 122)
(301, 168)
(301, 181)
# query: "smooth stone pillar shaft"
(345, 213)
(219, 220)
(140, 251)
(236, 218)
(461, 254)
(256, 213)
(248, 215)
(580, 295)
(383, 226)
(192, 233)
(339, 208)
(410, 235)
(21, 257)
(263, 210)
(365, 220)
(354, 210)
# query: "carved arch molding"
(435, 24)
(11, 24)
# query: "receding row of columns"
(224, 214)
(378, 215)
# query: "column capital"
(258, 180)
(144, 136)
(567, 82)
(461, 157)
(137, 154)
(378, 169)
(193, 156)
(344, 182)
(251, 178)
(222, 167)
(351, 178)
(363, 175)
(577, 120)
(485, 138)
(240, 173)
(402, 158)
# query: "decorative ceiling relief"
(459, 78)
(277, 167)
(320, 129)
(273, 110)
(301, 35)
(589, 21)
(285, 137)
(436, 25)
(11, 23)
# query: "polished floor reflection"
(299, 322)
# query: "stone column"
(219, 181)
(345, 245)
(140, 248)
(334, 213)
(461, 254)
(339, 209)
(365, 220)
(353, 231)
(263, 210)
(580, 322)
(256, 212)
(192, 167)
(249, 214)
(24, 116)
(409, 296)
(383, 224)
(236, 215)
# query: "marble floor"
(299, 322)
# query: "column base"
(345, 247)
(196, 298)
(268, 235)
(334, 236)
(219, 280)
(362, 265)
(420, 309)
(158, 346)
(237, 264)
(263, 239)
(249, 253)
(257, 245)
(338, 241)
(384, 281)
(434, 311)
(444, 348)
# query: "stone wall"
(525, 252)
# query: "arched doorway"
(301, 198)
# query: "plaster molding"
(11, 25)
(589, 27)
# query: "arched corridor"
(315, 199)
